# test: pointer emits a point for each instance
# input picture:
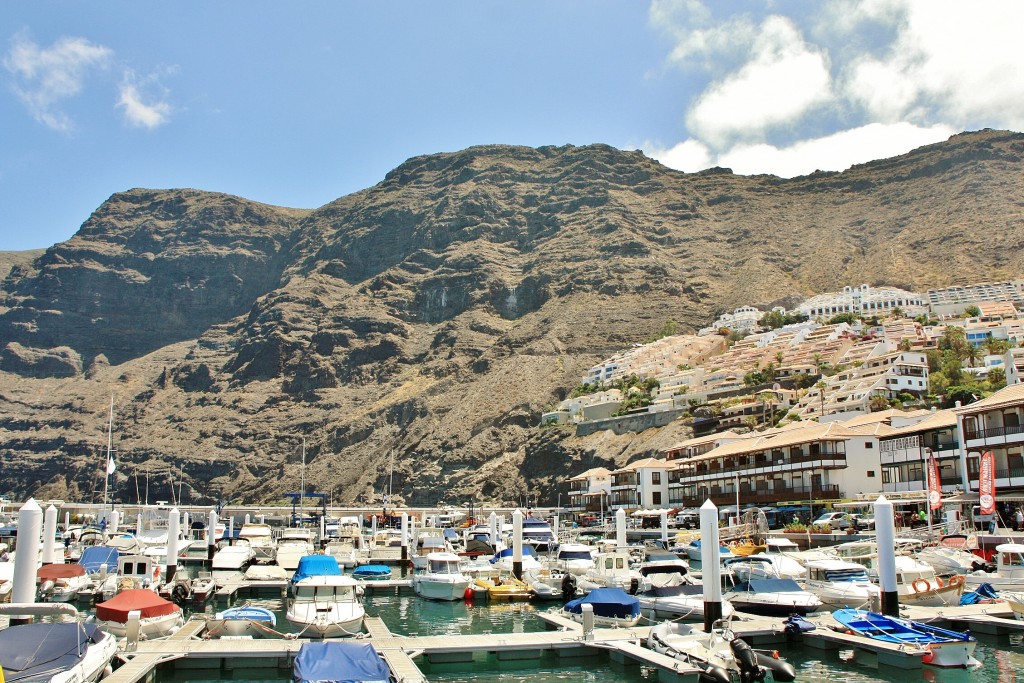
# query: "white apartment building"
(596, 406)
(864, 300)
(744, 319)
(642, 484)
(589, 491)
(660, 358)
(994, 424)
(954, 300)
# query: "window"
(655, 477)
(656, 498)
(868, 444)
(871, 474)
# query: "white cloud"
(45, 77)
(783, 79)
(689, 155)
(834, 152)
(138, 113)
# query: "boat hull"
(440, 589)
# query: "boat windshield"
(444, 567)
(324, 593)
(575, 555)
(840, 575)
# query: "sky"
(297, 104)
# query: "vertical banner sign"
(987, 483)
(934, 488)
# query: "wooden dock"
(142, 666)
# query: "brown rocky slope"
(422, 325)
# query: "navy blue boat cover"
(316, 565)
(339, 662)
(96, 555)
(507, 552)
(607, 602)
(35, 652)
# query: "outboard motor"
(746, 659)
(568, 587)
(180, 594)
(634, 585)
(46, 589)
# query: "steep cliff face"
(422, 325)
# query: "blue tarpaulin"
(95, 556)
(316, 565)
(607, 602)
(334, 662)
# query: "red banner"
(987, 483)
(934, 486)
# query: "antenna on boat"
(109, 466)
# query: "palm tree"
(821, 385)
(878, 403)
(971, 354)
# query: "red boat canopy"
(146, 601)
(52, 572)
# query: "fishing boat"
(612, 570)
(321, 602)
(917, 584)
(159, 618)
(677, 601)
(442, 579)
(944, 647)
(138, 571)
(372, 572)
(612, 607)
(339, 661)
(1009, 573)
(574, 558)
(839, 584)
(61, 582)
(244, 620)
(426, 545)
(58, 653)
(719, 655)
(769, 595)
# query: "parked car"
(864, 522)
(839, 521)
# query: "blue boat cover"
(251, 613)
(35, 652)
(607, 602)
(507, 552)
(96, 555)
(316, 565)
(338, 662)
(377, 570)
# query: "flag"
(934, 488)
(987, 483)
(111, 466)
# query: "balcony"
(992, 432)
(766, 497)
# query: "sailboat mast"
(110, 447)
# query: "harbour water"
(1002, 661)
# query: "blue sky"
(297, 104)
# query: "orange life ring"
(938, 580)
(927, 586)
(956, 580)
(156, 573)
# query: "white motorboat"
(59, 653)
(613, 607)
(764, 592)
(677, 600)
(138, 571)
(386, 546)
(425, 546)
(62, 582)
(159, 618)
(660, 566)
(502, 560)
(574, 558)
(321, 602)
(719, 655)
(233, 557)
(442, 579)
(1009, 573)
(693, 551)
(786, 556)
(245, 620)
(917, 584)
(947, 561)
(538, 533)
(260, 538)
(612, 570)
(292, 545)
(839, 584)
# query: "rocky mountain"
(413, 332)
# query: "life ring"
(927, 586)
(956, 580)
(938, 580)
(156, 573)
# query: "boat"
(244, 620)
(719, 655)
(266, 572)
(768, 595)
(787, 557)
(341, 662)
(386, 546)
(746, 548)
(660, 566)
(6, 581)
(917, 584)
(159, 617)
(138, 571)
(260, 538)
(952, 556)
(502, 586)
(838, 584)
(184, 590)
(612, 607)
(321, 602)
(677, 601)
(344, 548)
(693, 551)
(442, 579)
(372, 572)
(944, 648)
(612, 570)
(551, 584)
(502, 560)
(292, 545)
(234, 557)
(58, 653)
(62, 582)
(1009, 573)
(574, 558)
(538, 533)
